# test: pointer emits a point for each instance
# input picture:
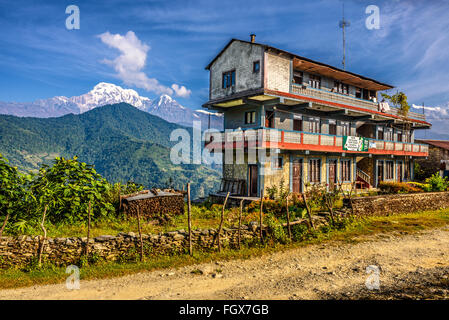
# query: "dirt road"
(409, 266)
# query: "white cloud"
(181, 90)
(131, 61)
(434, 113)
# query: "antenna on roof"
(343, 24)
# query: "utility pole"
(343, 24)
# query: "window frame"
(257, 62)
(314, 80)
(345, 171)
(275, 165)
(345, 126)
(314, 172)
(312, 121)
(228, 79)
(387, 173)
(252, 114)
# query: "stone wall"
(400, 203)
(22, 250)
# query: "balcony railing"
(298, 140)
(348, 100)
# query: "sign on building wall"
(351, 143)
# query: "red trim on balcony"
(295, 96)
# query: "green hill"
(124, 144)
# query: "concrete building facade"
(304, 122)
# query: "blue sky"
(172, 42)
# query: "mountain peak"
(104, 93)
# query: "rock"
(104, 238)
(205, 270)
(217, 275)
(178, 237)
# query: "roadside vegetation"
(56, 201)
(353, 232)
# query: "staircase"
(362, 180)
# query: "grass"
(356, 231)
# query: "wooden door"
(399, 172)
(332, 174)
(296, 175)
(252, 180)
(380, 172)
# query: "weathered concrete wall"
(400, 203)
(235, 118)
(278, 72)
(239, 56)
(17, 251)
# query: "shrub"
(397, 187)
(67, 187)
(437, 183)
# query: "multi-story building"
(315, 123)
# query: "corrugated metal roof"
(444, 144)
(151, 195)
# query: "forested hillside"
(124, 144)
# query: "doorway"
(253, 178)
(399, 172)
(380, 171)
(332, 174)
(297, 175)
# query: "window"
(399, 133)
(256, 66)
(297, 77)
(315, 81)
(346, 170)
(333, 127)
(407, 137)
(314, 170)
(341, 87)
(277, 163)
(388, 134)
(297, 122)
(365, 94)
(228, 79)
(250, 117)
(345, 128)
(380, 133)
(314, 125)
(389, 172)
(358, 93)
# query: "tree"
(12, 192)
(399, 100)
(67, 187)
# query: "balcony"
(333, 97)
(298, 140)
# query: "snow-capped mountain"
(104, 93)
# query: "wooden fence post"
(41, 248)
(260, 217)
(288, 218)
(189, 212)
(140, 233)
(221, 222)
(240, 222)
(88, 232)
